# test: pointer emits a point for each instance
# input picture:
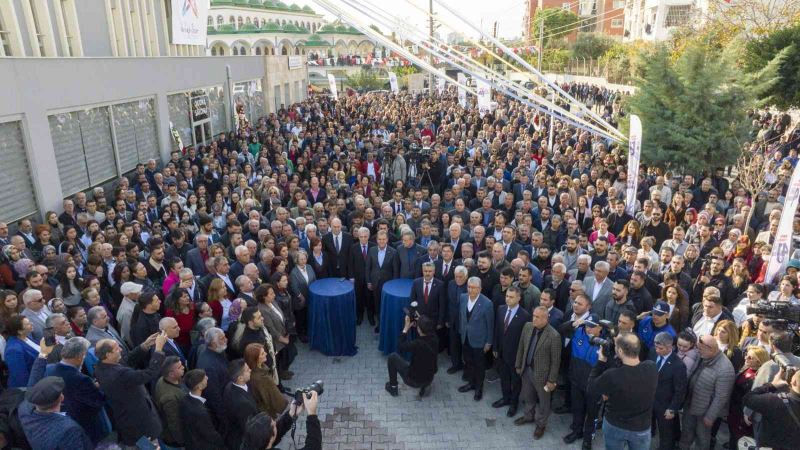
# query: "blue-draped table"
(394, 298)
(332, 317)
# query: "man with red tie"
(429, 293)
(359, 252)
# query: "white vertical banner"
(782, 247)
(189, 19)
(393, 82)
(634, 154)
(484, 91)
(462, 93)
(440, 85)
(332, 85)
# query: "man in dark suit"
(508, 324)
(510, 245)
(170, 327)
(196, 258)
(198, 428)
(476, 325)
(359, 254)
(383, 265)
(670, 391)
(338, 244)
(212, 360)
(547, 299)
(83, 401)
(455, 289)
(238, 403)
(430, 295)
(558, 283)
(445, 264)
(408, 252)
(135, 414)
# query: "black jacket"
(424, 350)
(672, 384)
(198, 427)
(778, 428)
(436, 306)
(506, 341)
(313, 432)
(238, 406)
(135, 415)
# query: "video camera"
(788, 368)
(607, 343)
(781, 312)
(317, 386)
(412, 311)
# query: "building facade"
(91, 88)
(605, 17)
(268, 27)
(655, 20)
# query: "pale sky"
(508, 14)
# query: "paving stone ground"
(358, 414)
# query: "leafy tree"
(692, 109)
(591, 46)
(557, 24)
(775, 59)
(365, 80)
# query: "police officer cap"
(592, 320)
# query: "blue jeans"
(615, 437)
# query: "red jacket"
(365, 164)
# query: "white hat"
(130, 288)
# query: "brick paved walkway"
(358, 414)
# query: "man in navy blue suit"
(430, 295)
(83, 401)
(548, 300)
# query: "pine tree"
(692, 109)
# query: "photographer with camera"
(424, 350)
(264, 433)
(778, 402)
(629, 391)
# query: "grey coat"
(298, 285)
(598, 303)
(710, 387)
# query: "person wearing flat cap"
(44, 425)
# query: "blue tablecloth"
(394, 298)
(332, 317)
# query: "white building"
(655, 20)
(268, 27)
(90, 88)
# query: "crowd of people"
(170, 308)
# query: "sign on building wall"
(189, 18)
(199, 107)
(295, 62)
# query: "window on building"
(213, 51)
(232, 20)
(566, 6)
(616, 23)
(235, 51)
(220, 20)
(677, 15)
(249, 21)
(37, 28)
(618, 4)
(5, 44)
(242, 51)
(284, 50)
(210, 21)
(240, 21)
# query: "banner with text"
(782, 247)
(440, 85)
(393, 82)
(332, 85)
(189, 18)
(634, 153)
(484, 91)
(462, 93)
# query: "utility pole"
(541, 40)
(430, 55)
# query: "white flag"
(782, 247)
(393, 82)
(484, 91)
(332, 84)
(634, 153)
(462, 93)
(440, 84)
(189, 21)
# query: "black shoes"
(500, 403)
(392, 390)
(377, 329)
(478, 395)
(424, 391)
(466, 388)
(572, 437)
(371, 321)
(512, 411)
